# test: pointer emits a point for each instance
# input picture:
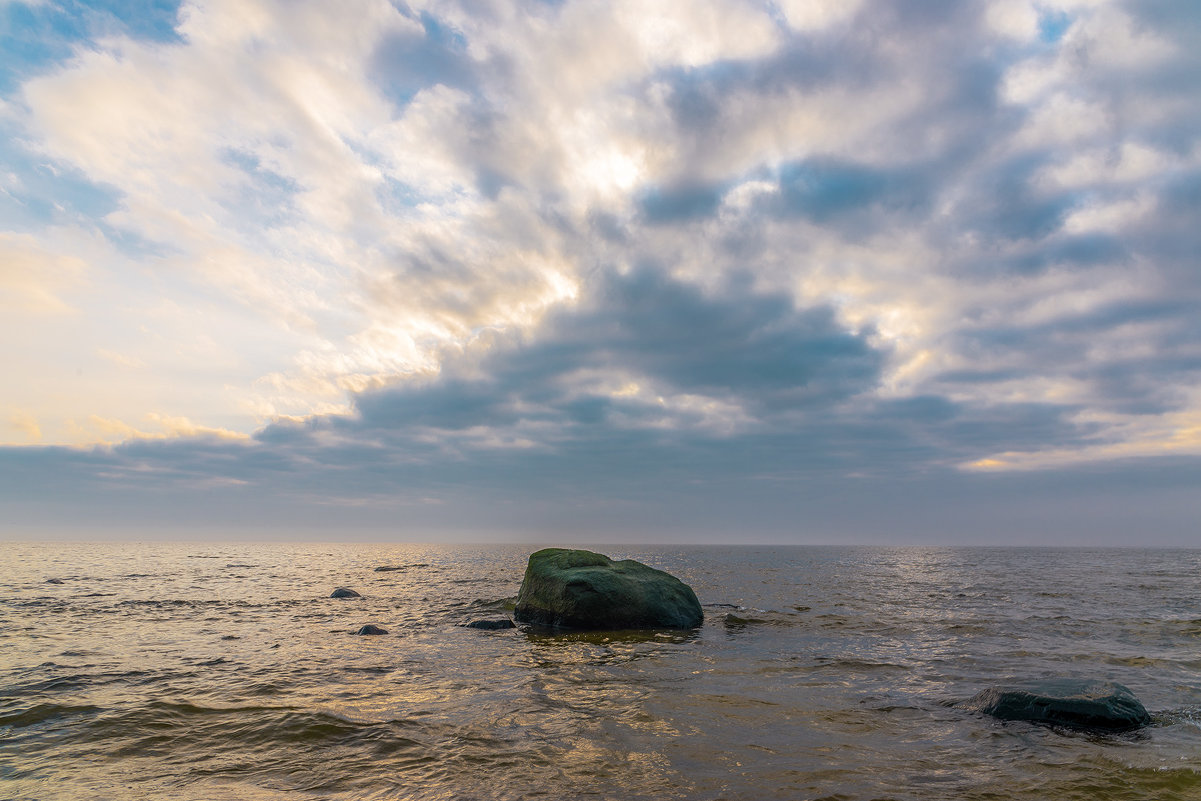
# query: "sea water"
(225, 671)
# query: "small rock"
(371, 628)
(54, 581)
(1074, 703)
(491, 625)
(342, 592)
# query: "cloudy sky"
(916, 271)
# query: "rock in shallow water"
(586, 590)
(1075, 703)
(371, 628)
(342, 592)
(491, 625)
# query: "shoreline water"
(198, 670)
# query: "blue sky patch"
(1052, 25)
(34, 38)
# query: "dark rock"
(54, 581)
(586, 590)
(342, 592)
(1074, 703)
(371, 628)
(491, 625)
(389, 568)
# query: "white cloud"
(1017, 19)
(1063, 119)
(1109, 39)
(1131, 163)
(34, 278)
(1110, 217)
(816, 15)
(120, 358)
(22, 429)
(100, 430)
(691, 34)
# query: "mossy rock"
(586, 590)
(1073, 703)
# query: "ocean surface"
(210, 672)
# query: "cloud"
(604, 246)
(644, 351)
(33, 280)
(26, 425)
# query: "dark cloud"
(741, 494)
(831, 191)
(918, 17)
(820, 190)
(1006, 206)
(1080, 250)
(1094, 348)
(405, 63)
(680, 203)
(752, 349)
(534, 415)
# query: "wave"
(88, 681)
(44, 713)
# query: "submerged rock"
(342, 592)
(586, 590)
(1075, 703)
(371, 628)
(491, 625)
(54, 581)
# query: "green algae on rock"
(585, 590)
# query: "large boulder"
(1074, 703)
(586, 590)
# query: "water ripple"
(226, 672)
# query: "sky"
(802, 271)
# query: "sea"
(204, 672)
